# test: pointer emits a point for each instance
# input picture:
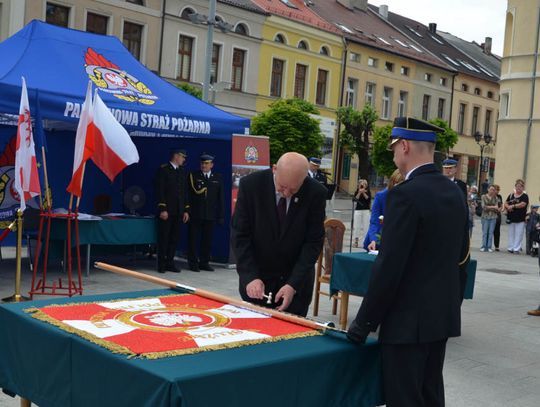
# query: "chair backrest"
(334, 230)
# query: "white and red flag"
(26, 172)
(113, 148)
(84, 144)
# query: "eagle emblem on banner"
(174, 325)
(109, 78)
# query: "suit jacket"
(171, 190)
(377, 209)
(261, 248)
(462, 186)
(417, 283)
(206, 196)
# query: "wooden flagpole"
(218, 297)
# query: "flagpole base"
(16, 298)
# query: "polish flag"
(84, 145)
(26, 172)
(113, 148)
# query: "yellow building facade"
(298, 60)
(518, 141)
(394, 85)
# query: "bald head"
(289, 173)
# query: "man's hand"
(164, 215)
(255, 289)
(372, 245)
(357, 334)
(185, 218)
(285, 293)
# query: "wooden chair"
(334, 230)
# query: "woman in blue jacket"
(373, 236)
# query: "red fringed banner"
(168, 326)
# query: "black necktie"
(282, 210)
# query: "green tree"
(290, 127)
(355, 134)
(192, 90)
(382, 159)
(446, 139)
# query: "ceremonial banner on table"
(168, 325)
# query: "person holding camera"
(362, 197)
(516, 209)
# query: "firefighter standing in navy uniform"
(315, 172)
(172, 208)
(206, 199)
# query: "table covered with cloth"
(52, 367)
(351, 273)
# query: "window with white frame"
(351, 94)
(373, 62)
(57, 14)
(427, 77)
(300, 81)
(370, 93)
(405, 70)
(185, 55)
(354, 57)
(440, 108)
(461, 118)
(474, 122)
(214, 68)
(425, 107)
(132, 38)
(239, 57)
(386, 110)
(322, 83)
(402, 103)
(443, 81)
(389, 66)
(505, 105)
(487, 124)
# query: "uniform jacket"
(417, 283)
(206, 196)
(462, 186)
(320, 178)
(261, 248)
(171, 190)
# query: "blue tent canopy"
(58, 62)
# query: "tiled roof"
(295, 10)
(490, 62)
(366, 28)
(245, 4)
(438, 46)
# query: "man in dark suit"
(206, 208)
(315, 171)
(449, 170)
(170, 184)
(277, 234)
(416, 288)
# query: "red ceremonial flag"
(84, 146)
(113, 148)
(26, 172)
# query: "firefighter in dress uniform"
(206, 199)
(173, 208)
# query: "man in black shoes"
(173, 209)
(206, 209)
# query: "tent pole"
(48, 197)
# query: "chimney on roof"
(383, 11)
(486, 46)
(433, 28)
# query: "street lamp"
(197, 18)
(482, 141)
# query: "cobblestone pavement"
(495, 363)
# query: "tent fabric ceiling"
(58, 62)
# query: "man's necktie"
(282, 210)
